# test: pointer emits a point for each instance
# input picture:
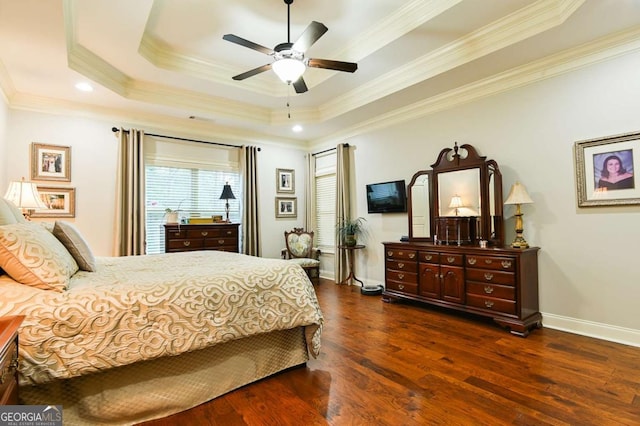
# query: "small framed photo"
(50, 162)
(605, 170)
(60, 202)
(285, 181)
(286, 207)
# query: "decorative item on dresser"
(191, 237)
(458, 260)
(9, 359)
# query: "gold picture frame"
(605, 174)
(61, 202)
(285, 181)
(286, 207)
(50, 162)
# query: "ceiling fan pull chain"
(288, 104)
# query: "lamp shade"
(288, 70)
(456, 202)
(227, 193)
(518, 195)
(24, 195)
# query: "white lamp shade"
(288, 70)
(24, 195)
(456, 202)
(518, 195)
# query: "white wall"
(94, 149)
(587, 261)
(4, 112)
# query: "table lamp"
(518, 195)
(456, 203)
(25, 196)
(227, 194)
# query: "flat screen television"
(387, 197)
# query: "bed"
(143, 337)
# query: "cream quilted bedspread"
(144, 307)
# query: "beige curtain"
(343, 206)
(130, 197)
(250, 222)
(310, 195)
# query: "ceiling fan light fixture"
(288, 69)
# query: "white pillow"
(32, 256)
(71, 238)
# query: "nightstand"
(9, 359)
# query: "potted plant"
(170, 215)
(348, 230)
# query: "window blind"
(325, 182)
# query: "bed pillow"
(71, 238)
(7, 217)
(32, 256)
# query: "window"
(325, 181)
(189, 178)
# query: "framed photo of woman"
(50, 162)
(285, 181)
(605, 170)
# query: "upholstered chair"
(299, 248)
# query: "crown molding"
(563, 62)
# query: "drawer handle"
(488, 303)
(390, 253)
(506, 264)
(428, 257)
(401, 287)
(186, 243)
(472, 260)
(412, 255)
(400, 276)
(451, 259)
(488, 289)
(220, 242)
(229, 232)
(400, 265)
(488, 261)
(488, 276)
(176, 234)
(204, 233)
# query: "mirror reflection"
(459, 193)
(420, 212)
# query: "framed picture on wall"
(285, 181)
(60, 202)
(50, 162)
(286, 207)
(605, 170)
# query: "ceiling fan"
(290, 62)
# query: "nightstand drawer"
(9, 359)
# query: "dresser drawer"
(490, 276)
(492, 290)
(491, 303)
(402, 265)
(176, 234)
(402, 276)
(220, 242)
(211, 232)
(192, 244)
(401, 254)
(429, 257)
(451, 259)
(491, 262)
(405, 287)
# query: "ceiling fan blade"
(300, 85)
(246, 43)
(252, 72)
(332, 65)
(311, 34)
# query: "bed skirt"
(161, 387)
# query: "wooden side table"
(350, 255)
(9, 359)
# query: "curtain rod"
(115, 130)
(327, 150)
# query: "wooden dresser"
(210, 236)
(9, 359)
(501, 283)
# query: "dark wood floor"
(399, 364)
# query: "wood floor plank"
(404, 364)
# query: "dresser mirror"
(458, 201)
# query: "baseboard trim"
(612, 333)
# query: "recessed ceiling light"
(84, 87)
(297, 128)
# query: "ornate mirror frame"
(483, 220)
